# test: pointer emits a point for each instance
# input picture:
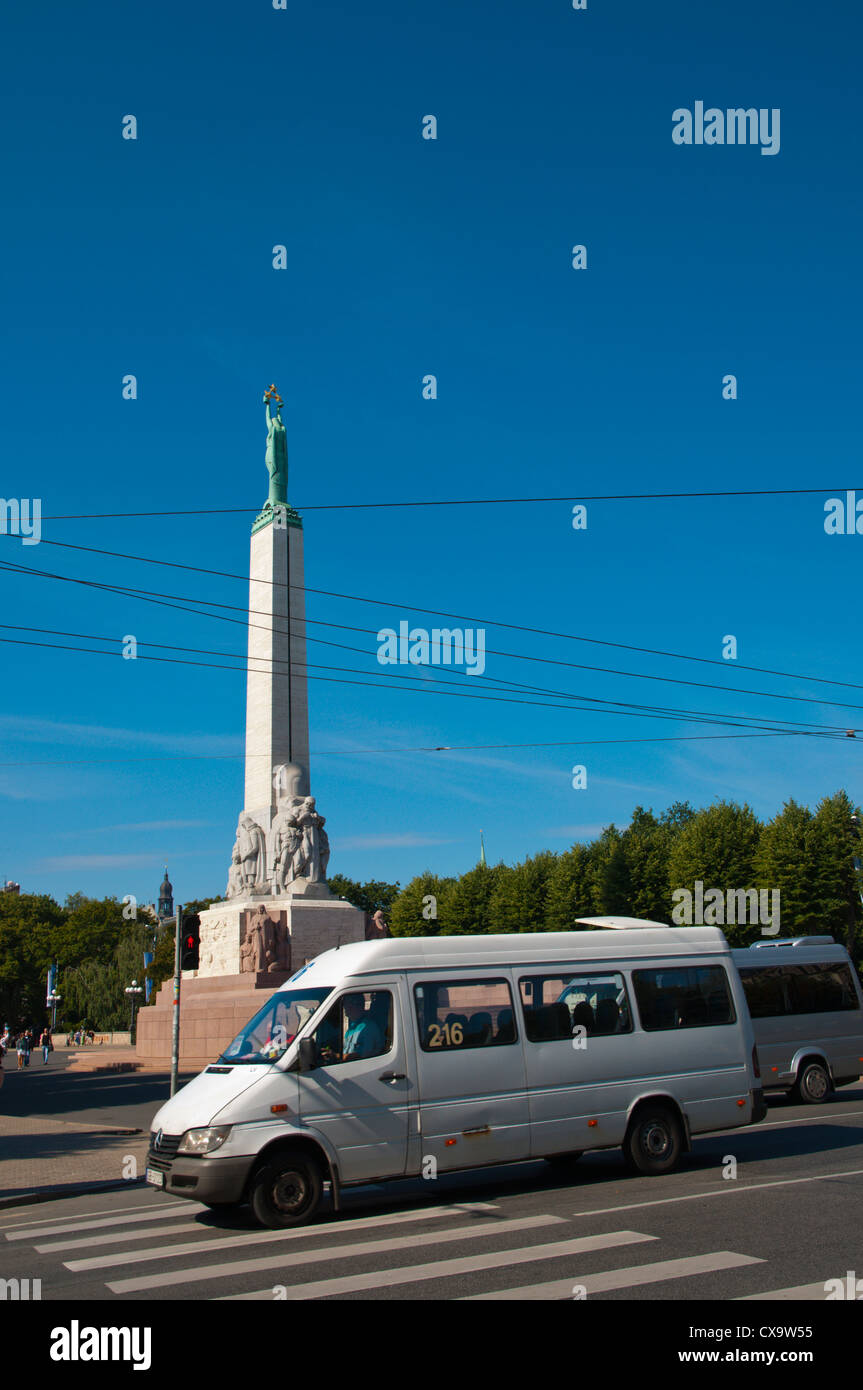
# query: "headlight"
(204, 1141)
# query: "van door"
(473, 1101)
(582, 1066)
(361, 1093)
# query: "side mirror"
(307, 1055)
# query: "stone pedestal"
(218, 998)
(212, 1012)
(314, 920)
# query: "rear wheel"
(654, 1141)
(286, 1190)
(813, 1083)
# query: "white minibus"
(409, 1056)
(806, 1006)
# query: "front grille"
(162, 1156)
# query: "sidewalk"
(42, 1158)
(114, 1058)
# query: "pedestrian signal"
(190, 942)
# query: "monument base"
(307, 923)
(218, 998)
(212, 1012)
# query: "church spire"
(166, 897)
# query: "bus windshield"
(270, 1033)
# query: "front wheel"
(654, 1141)
(813, 1084)
(286, 1191)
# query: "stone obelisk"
(277, 708)
(278, 912)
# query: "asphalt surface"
(124, 1099)
(787, 1223)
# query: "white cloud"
(61, 863)
(385, 841)
(52, 731)
(575, 832)
(140, 825)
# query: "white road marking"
(623, 1278)
(34, 1233)
(92, 1242)
(290, 1261)
(804, 1120)
(442, 1269)
(727, 1187)
(221, 1241)
(106, 1211)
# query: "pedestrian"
(21, 1047)
(46, 1045)
(28, 1047)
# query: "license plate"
(155, 1177)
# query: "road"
(788, 1221)
(126, 1099)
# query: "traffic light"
(190, 941)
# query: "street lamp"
(132, 992)
(51, 1003)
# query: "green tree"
(569, 892)
(374, 896)
(787, 860)
(91, 930)
(717, 847)
(835, 883)
(27, 924)
(647, 845)
(412, 913)
(466, 909)
(612, 885)
(517, 903)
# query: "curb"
(54, 1194)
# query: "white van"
(413, 1056)
(806, 1006)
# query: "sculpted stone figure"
(266, 946)
(290, 782)
(298, 843)
(248, 859)
(235, 874)
(315, 846)
(286, 842)
(377, 927)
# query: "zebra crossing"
(137, 1251)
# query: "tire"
(286, 1190)
(654, 1141)
(813, 1084)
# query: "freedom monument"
(279, 912)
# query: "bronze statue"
(277, 451)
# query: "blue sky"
(405, 257)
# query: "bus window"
(454, 1015)
(683, 997)
(556, 1005)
